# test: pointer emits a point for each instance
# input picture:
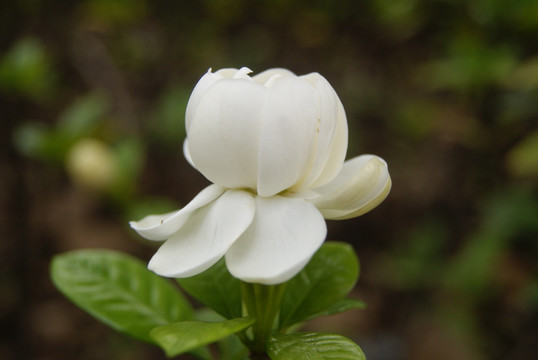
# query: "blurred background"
(92, 102)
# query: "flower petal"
(362, 184)
(205, 82)
(161, 227)
(243, 73)
(224, 134)
(199, 90)
(187, 154)
(288, 132)
(284, 235)
(204, 239)
(333, 136)
(264, 76)
(228, 73)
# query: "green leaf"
(119, 290)
(338, 307)
(217, 289)
(325, 281)
(231, 347)
(313, 346)
(184, 336)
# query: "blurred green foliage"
(446, 91)
(507, 217)
(167, 122)
(522, 160)
(80, 119)
(26, 70)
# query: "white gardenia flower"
(274, 146)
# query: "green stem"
(263, 303)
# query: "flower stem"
(263, 303)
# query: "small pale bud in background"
(91, 164)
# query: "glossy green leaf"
(339, 307)
(217, 289)
(325, 281)
(119, 290)
(184, 336)
(231, 347)
(313, 346)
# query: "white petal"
(337, 154)
(287, 140)
(264, 76)
(161, 227)
(280, 241)
(243, 74)
(227, 73)
(333, 137)
(224, 134)
(197, 94)
(187, 154)
(205, 82)
(204, 239)
(363, 183)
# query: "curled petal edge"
(288, 125)
(198, 92)
(187, 153)
(362, 184)
(265, 77)
(161, 227)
